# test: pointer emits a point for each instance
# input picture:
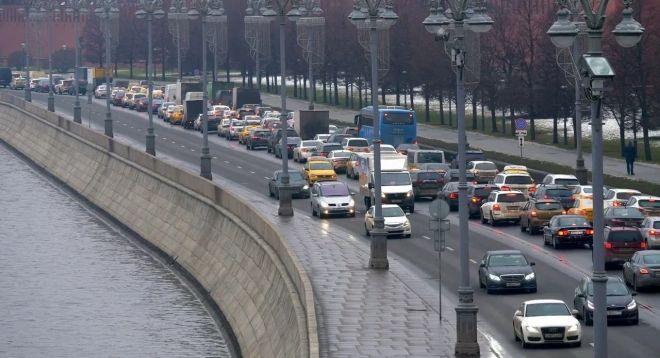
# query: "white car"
(567, 180)
(101, 91)
(396, 221)
(331, 198)
(503, 206)
(302, 152)
(618, 197)
(515, 180)
(384, 148)
(646, 204)
(546, 322)
(322, 137)
(332, 129)
(651, 232)
(583, 191)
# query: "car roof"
(504, 252)
(509, 192)
(554, 186)
(569, 216)
(620, 190)
(622, 228)
(562, 176)
(646, 197)
(648, 252)
(546, 300)
(390, 206)
(330, 182)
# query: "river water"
(72, 285)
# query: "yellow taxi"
(583, 206)
(242, 135)
(318, 170)
(177, 116)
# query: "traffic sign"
(521, 124)
(521, 132)
(439, 209)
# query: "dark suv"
(621, 243)
(275, 136)
(562, 194)
(258, 138)
(477, 195)
(426, 183)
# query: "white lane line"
(426, 237)
(474, 262)
(183, 146)
(213, 157)
(269, 178)
(449, 248)
(173, 142)
(239, 167)
(226, 162)
(194, 150)
(164, 138)
(252, 172)
(591, 344)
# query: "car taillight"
(532, 190)
(304, 150)
(616, 203)
(653, 232)
(590, 231)
(324, 154)
(563, 212)
(506, 188)
(562, 232)
(643, 245)
(496, 207)
(644, 271)
(574, 196)
(608, 245)
(475, 200)
(350, 149)
(534, 213)
(453, 195)
(255, 138)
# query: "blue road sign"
(521, 124)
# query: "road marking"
(252, 172)
(266, 178)
(213, 157)
(183, 146)
(226, 162)
(449, 248)
(194, 150)
(164, 138)
(591, 344)
(239, 167)
(173, 142)
(474, 262)
(426, 237)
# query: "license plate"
(395, 201)
(513, 208)
(614, 313)
(512, 284)
(576, 232)
(553, 335)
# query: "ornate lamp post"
(108, 12)
(150, 10)
(178, 21)
(311, 36)
(374, 16)
(76, 8)
(595, 70)
(280, 9)
(209, 11)
(49, 9)
(437, 23)
(29, 9)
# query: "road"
(558, 271)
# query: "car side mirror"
(407, 214)
(575, 312)
(532, 263)
(353, 193)
(518, 313)
(579, 294)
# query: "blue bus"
(398, 125)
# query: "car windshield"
(358, 143)
(330, 148)
(626, 213)
(295, 176)
(341, 154)
(547, 309)
(655, 204)
(393, 212)
(518, 179)
(429, 157)
(587, 190)
(614, 288)
(335, 189)
(485, 166)
(548, 206)
(652, 259)
(572, 221)
(309, 143)
(320, 166)
(625, 236)
(139, 95)
(337, 138)
(510, 198)
(395, 179)
(566, 181)
(558, 193)
(323, 136)
(261, 134)
(507, 260)
(586, 203)
(398, 118)
(625, 195)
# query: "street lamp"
(108, 12)
(280, 11)
(595, 70)
(209, 11)
(29, 9)
(49, 10)
(178, 13)
(438, 24)
(76, 8)
(375, 16)
(150, 10)
(311, 35)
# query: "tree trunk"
(267, 81)
(451, 119)
(397, 89)
(325, 89)
(474, 110)
(513, 121)
(382, 97)
(359, 88)
(412, 96)
(295, 85)
(336, 84)
(493, 120)
(483, 116)
(565, 132)
(305, 94)
(346, 97)
(555, 135)
(622, 128)
(442, 107)
(427, 105)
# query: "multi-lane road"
(558, 271)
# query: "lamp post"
(375, 15)
(209, 11)
(278, 8)
(150, 10)
(29, 8)
(476, 20)
(311, 31)
(178, 13)
(594, 71)
(108, 12)
(76, 8)
(48, 9)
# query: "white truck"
(396, 186)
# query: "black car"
(426, 183)
(642, 270)
(322, 149)
(141, 104)
(477, 195)
(118, 98)
(621, 216)
(452, 175)
(562, 194)
(275, 136)
(291, 143)
(298, 185)
(257, 138)
(503, 270)
(338, 137)
(5, 76)
(470, 156)
(568, 229)
(212, 123)
(621, 306)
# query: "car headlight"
(305, 187)
(574, 328)
(530, 276)
(532, 329)
(382, 195)
(409, 194)
(324, 204)
(351, 202)
(632, 305)
(406, 224)
(590, 305)
(494, 277)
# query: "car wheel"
(270, 192)
(577, 344)
(532, 230)
(277, 194)
(522, 227)
(533, 290)
(588, 320)
(545, 240)
(635, 321)
(523, 344)
(634, 284)
(366, 230)
(515, 335)
(481, 283)
(313, 211)
(555, 244)
(483, 219)
(492, 220)
(412, 209)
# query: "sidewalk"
(615, 167)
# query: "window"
(572, 221)
(651, 203)
(558, 193)
(511, 198)
(548, 206)
(357, 143)
(547, 309)
(483, 191)
(498, 179)
(320, 166)
(365, 120)
(626, 213)
(428, 176)
(338, 189)
(330, 148)
(656, 224)
(519, 179)
(507, 260)
(624, 236)
(652, 259)
(395, 179)
(625, 195)
(391, 212)
(614, 288)
(485, 166)
(398, 118)
(567, 181)
(609, 195)
(430, 157)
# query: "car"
(338, 138)
(396, 221)
(140, 102)
(235, 127)
(101, 91)
(298, 186)
(403, 148)
(515, 179)
(504, 270)
(384, 148)
(260, 110)
(118, 98)
(353, 131)
(65, 87)
(177, 115)
(583, 191)
(291, 142)
(17, 83)
(420, 158)
(441, 168)
(484, 171)
(451, 175)
(242, 135)
(163, 107)
(565, 230)
(618, 197)
(584, 207)
(223, 127)
(275, 136)
(155, 105)
(651, 231)
(477, 195)
(126, 100)
(322, 137)
(621, 243)
(642, 270)
(219, 110)
(322, 149)
(449, 193)
(626, 216)
(502, 206)
(355, 144)
(168, 112)
(647, 205)
(470, 155)
(331, 198)
(351, 166)
(318, 170)
(546, 321)
(302, 152)
(133, 102)
(212, 123)
(332, 129)
(564, 195)
(258, 138)
(537, 213)
(621, 305)
(567, 180)
(426, 183)
(338, 159)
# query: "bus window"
(398, 118)
(366, 121)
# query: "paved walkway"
(612, 166)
